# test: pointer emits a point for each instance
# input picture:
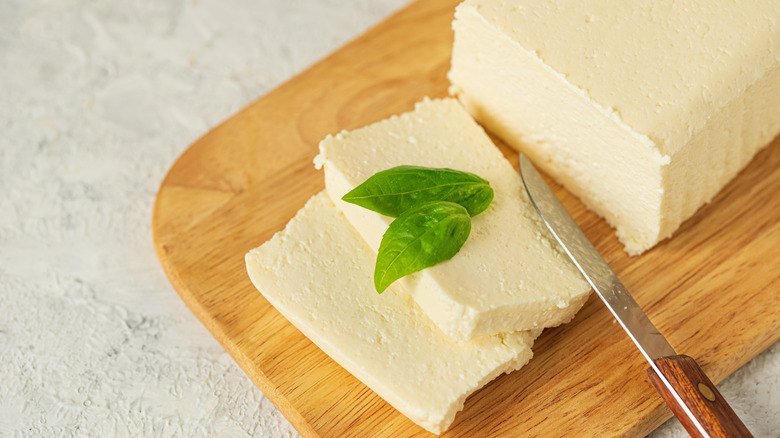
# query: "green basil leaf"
(393, 191)
(420, 237)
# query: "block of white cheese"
(508, 276)
(317, 272)
(643, 109)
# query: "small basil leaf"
(420, 237)
(393, 191)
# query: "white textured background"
(97, 99)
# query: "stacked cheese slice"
(508, 276)
(318, 274)
(436, 336)
(643, 109)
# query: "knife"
(690, 394)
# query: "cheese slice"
(508, 276)
(643, 109)
(317, 272)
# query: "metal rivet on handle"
(706, 391)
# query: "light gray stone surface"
(97, 99)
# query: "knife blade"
(681, 382)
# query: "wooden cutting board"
(712, 289)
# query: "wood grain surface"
(712, 289)
(701, 397)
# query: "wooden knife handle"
(700, 396)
